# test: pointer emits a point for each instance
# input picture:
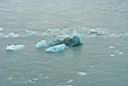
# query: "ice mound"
(41, 44)
(14, 47)
(57, 48)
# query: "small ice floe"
(93, 31)
(57, 48)
(112, 55)
(92, 66)
(120, 53)
(14, 47)
(1, 29)
(34, 80)
(82, 73)
(96, 32)
(1, 34)
(70, 81)
(31, 33)
(10, 78)
(41, 44)
(11, 34)
(112, 47)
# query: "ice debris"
(12, 34)
(31, 33)
(41, 44)
(70, 81)
(82, 73)
(57, 48)
(14, 47)
(1, 29)
(112, 47)
(96, 32)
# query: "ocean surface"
(102, 60)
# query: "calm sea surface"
(102, 60)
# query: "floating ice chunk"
(14, 47)
(34, 80)
(120, 53)
(57, 48)
(96, 32)
(31, 33)
(10, 78)
(1, 29)
(41, 44)
(112, 47)
(11, 34)
(1, 34)
(70, 81)
(92, 31)
(82, 73)
(112, 55)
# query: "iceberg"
(55, 42)
(41, 44)
(14, 47)
(57, 48)
(74, 40)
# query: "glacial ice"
(41, 44)
(14, 47)
(57, 48)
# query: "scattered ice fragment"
(1, 34)
(112, 55)
(11, 34)
(70, 81)
(92, 66)
(34, 79)
(57, 48)
(112, 47)
(41, 44)
(14, 47)
(92, 31)
(31, 33)
(10, 78)
(82, 73)
(120, 53)
(96, 32)
(1, 29)
(30, 81)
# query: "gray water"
(102, 60)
